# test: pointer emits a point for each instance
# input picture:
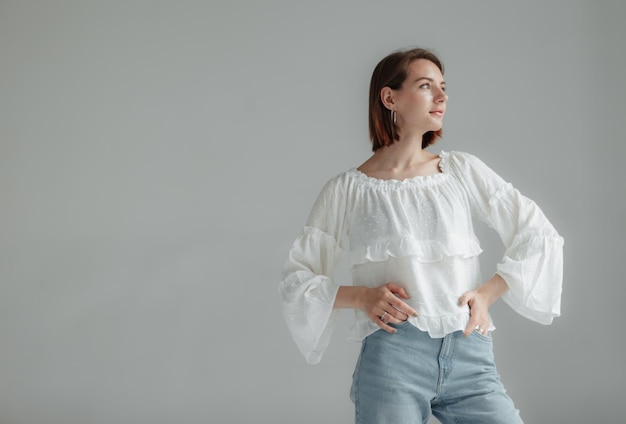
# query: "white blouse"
(418, 232)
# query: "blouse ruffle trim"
(436, 327)
(425, 251)
(425, 180)
(444, 163)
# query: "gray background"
(157, 159)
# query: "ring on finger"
(382, 317)
(480, 330)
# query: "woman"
(405, 217)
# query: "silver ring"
(478, 328)
(382, 317)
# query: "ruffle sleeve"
(532, 264)
(307, 288)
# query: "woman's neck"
(403, 159)
(403, 154)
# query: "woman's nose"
(441, 96)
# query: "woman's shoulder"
(341, 179)
(461, 161)
(459, 156)
(469, 168)
(337, 184)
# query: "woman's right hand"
(382, 304)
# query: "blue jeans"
(402, 378)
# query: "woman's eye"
(425, 85)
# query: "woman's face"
(421, 101)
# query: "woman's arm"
(532, 264)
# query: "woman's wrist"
(493, 288)
(349, 297)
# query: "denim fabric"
(402, 378)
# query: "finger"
(464, 299)
(398, 304)
(402, 308)
(397, 289)
(393, 316)
(468, 330)
(380, 320)
(388, 329)
(471, 326)
(399, 314)
(482, 329)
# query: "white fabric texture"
(418, 232)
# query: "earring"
(393, 116)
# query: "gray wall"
(157, 159)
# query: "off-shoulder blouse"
(418, 232)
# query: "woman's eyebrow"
(429, 79)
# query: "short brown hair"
(391, 72)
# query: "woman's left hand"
(479, 312)
(479, 301)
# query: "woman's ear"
(386, 96)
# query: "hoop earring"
(393, 116)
